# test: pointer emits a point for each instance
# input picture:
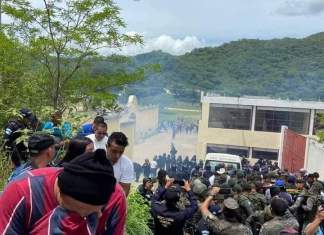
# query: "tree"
(62, 35)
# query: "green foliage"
(5, 170)
(61, 36)
(138, 215)
(285, 68)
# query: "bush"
(5, 170)
(138, 215)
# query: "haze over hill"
(285, 68)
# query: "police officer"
(145, 189)
(231, 224)
(26, 120)
(168, 218)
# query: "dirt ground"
(161, 143)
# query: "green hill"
(285, 68)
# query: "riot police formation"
(257, 199)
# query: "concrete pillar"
(282, 137)
(311, 122)
(253, 118)
(250, 153)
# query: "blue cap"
(280, 183)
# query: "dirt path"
(161, 143)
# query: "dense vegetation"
(285, 68)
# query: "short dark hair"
(119, 138)
(316, 175)
(278, 206)
(98, 119)
(77, 146)
(102, 124)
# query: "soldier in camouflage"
(281, 223)
(231, 224)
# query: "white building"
(251, 126)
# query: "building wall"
(129, 130)
(246, 138)
(315, 157)
(147, 120)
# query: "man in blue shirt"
(88, 128)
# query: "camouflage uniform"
(246, 206)
(223, 226)
(278, 224)
(258, 200)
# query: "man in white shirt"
(123, 166)
(99, 138)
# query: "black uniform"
(171, 220)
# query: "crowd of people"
(178, 127)
(257, 199)
(84, 192)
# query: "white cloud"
(165, 43)
(301, 7)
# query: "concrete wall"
(147, 120)
(315, 157)
(245, 138)
(129, 130)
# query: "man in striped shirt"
(83, 198)
(41, 149)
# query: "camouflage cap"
(199, 188)
(230, 203)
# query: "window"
(268, 154)
(230, 117)
(230, 149)
(272, 120)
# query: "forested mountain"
(285, 68)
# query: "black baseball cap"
(39, 142)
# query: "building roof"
(261, 102)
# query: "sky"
(179, 26)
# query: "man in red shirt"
(83, 198)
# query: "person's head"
(86, 183)
(97, 120)
(161, 177)
(274, 191)
(302, 172)
(147, 183)
(100, 131)
(199, 189)
(172, 196)
(316, 176)
(278, 207)
(300, 184)
(117, 142)
(56, 118)
(246, 187)
(231, 210)
(78, 146)
(28, 118)
(310, 179)
(291, 180)
(41, 149)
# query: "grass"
(138, 215)
(5, 170)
